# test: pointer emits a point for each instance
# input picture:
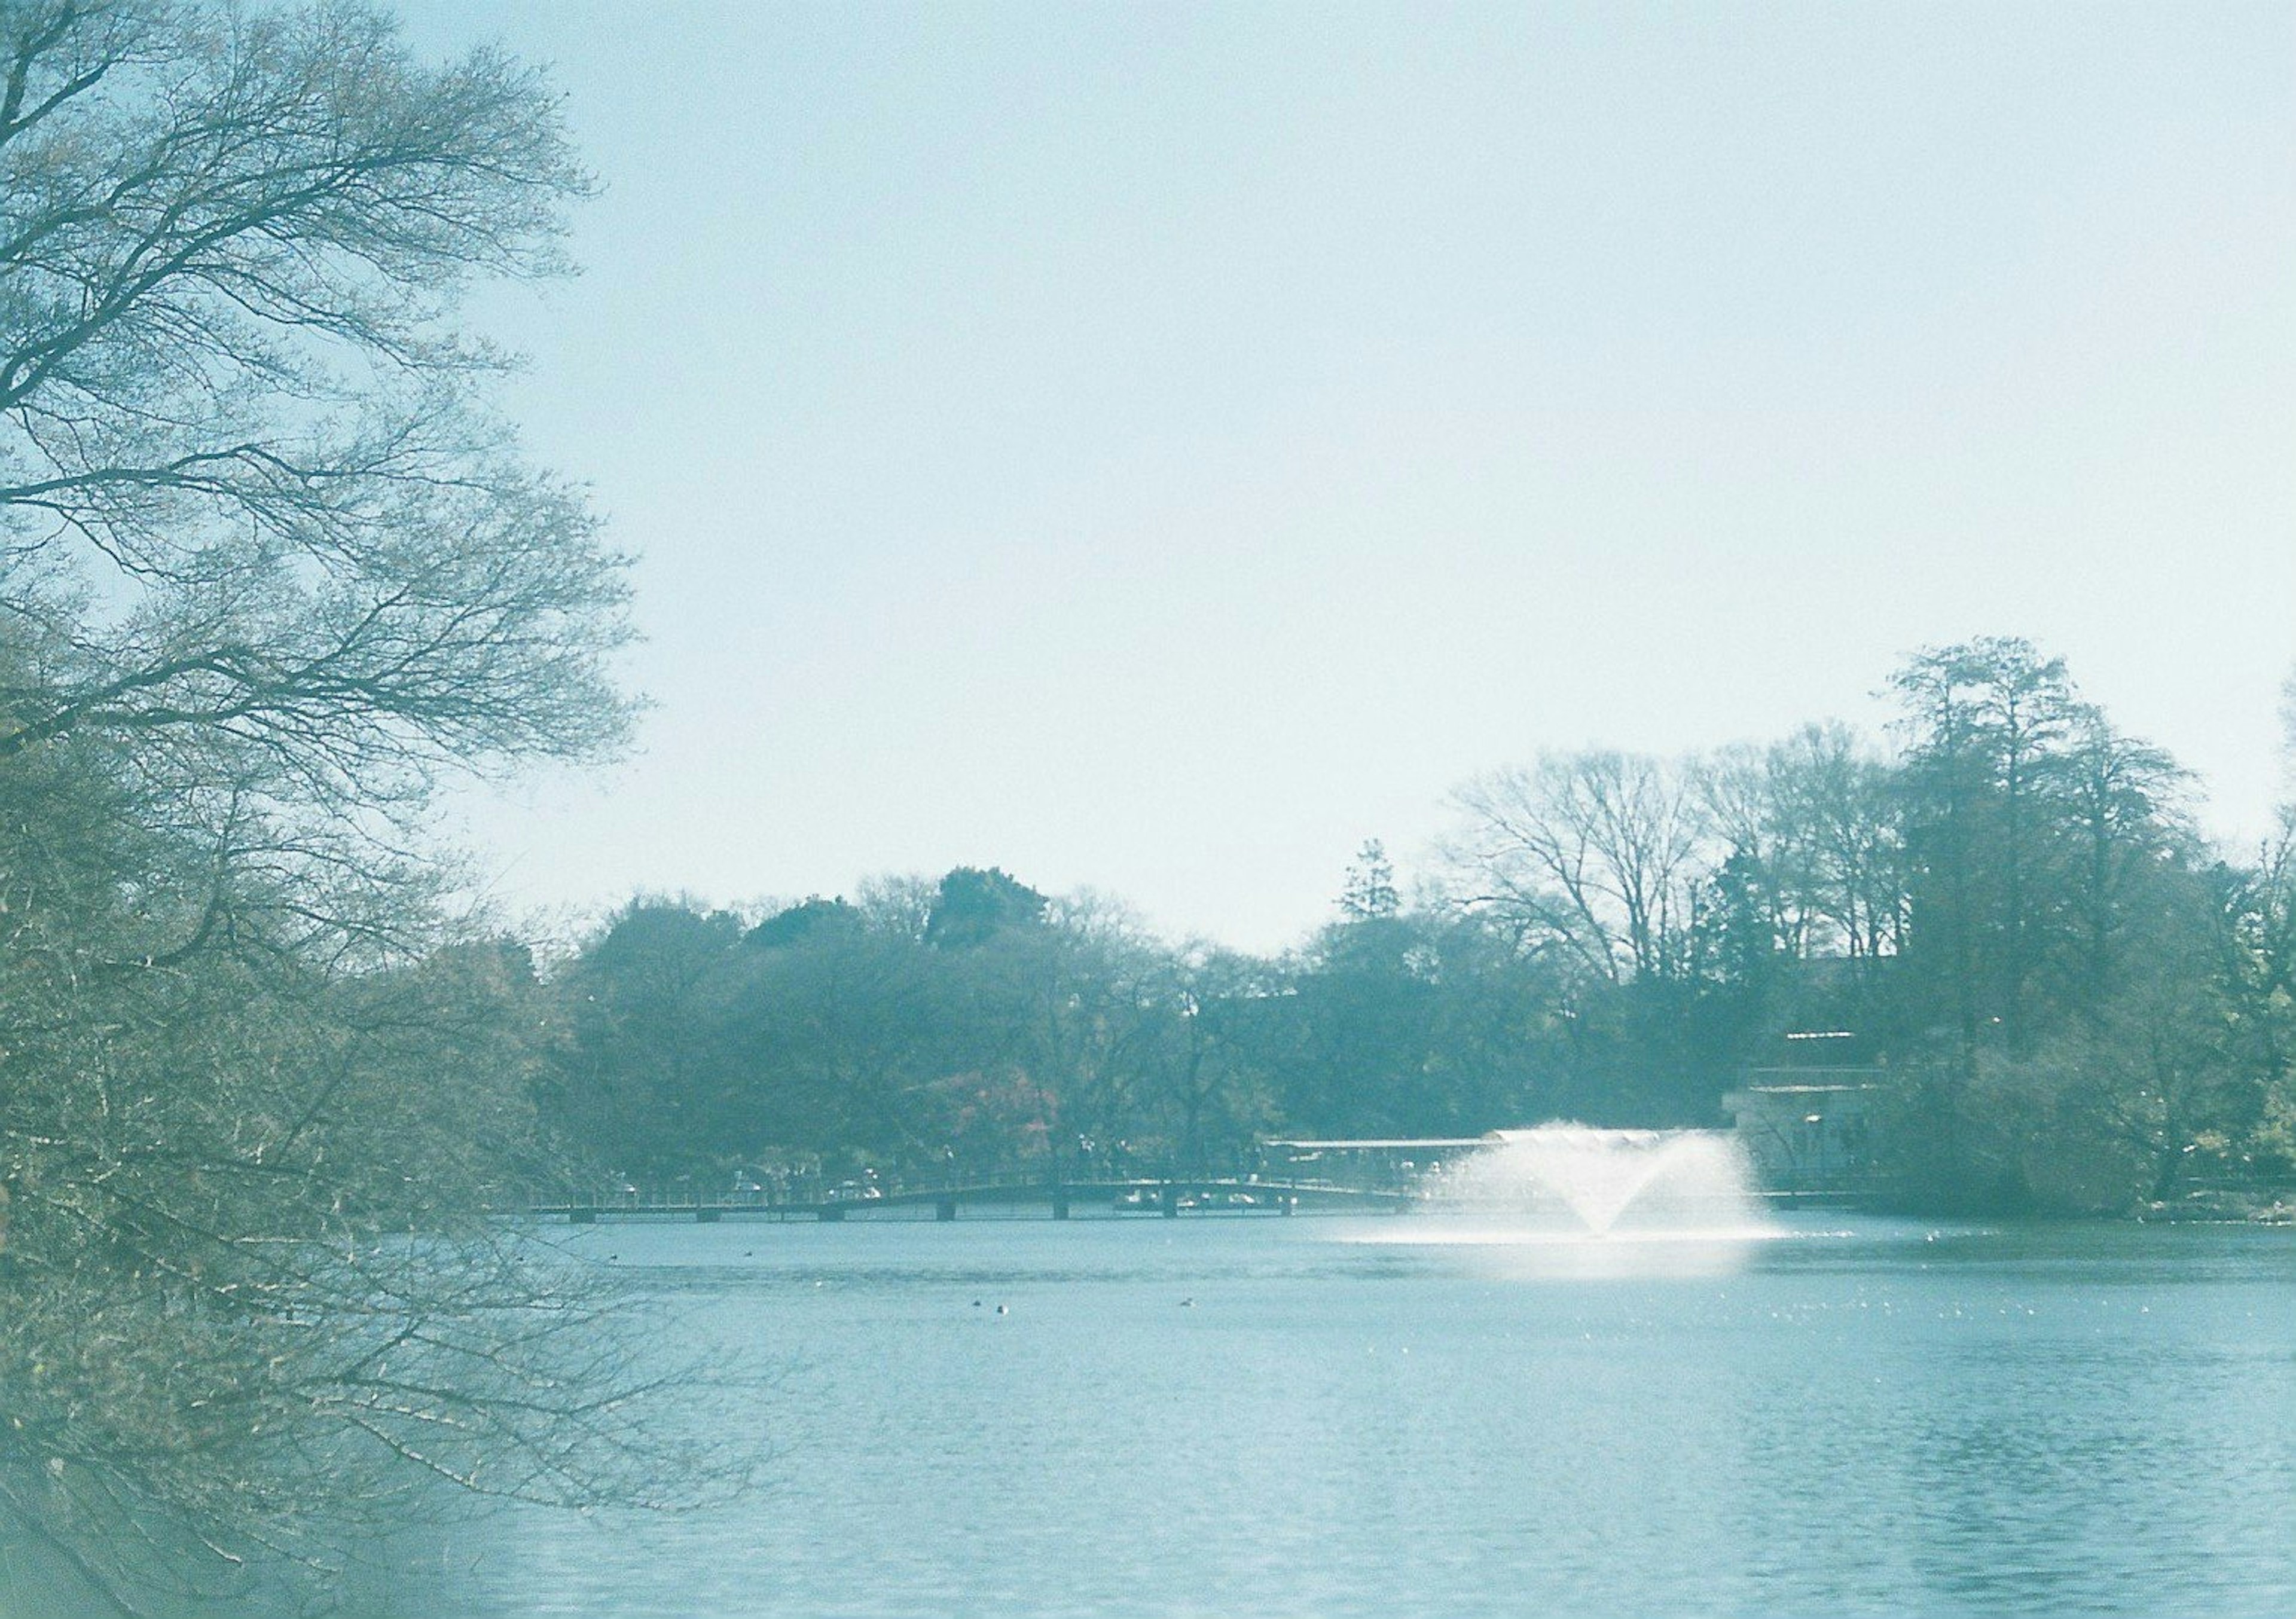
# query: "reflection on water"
(1409, 1415)
(1506, 1251)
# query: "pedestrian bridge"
(1169, 1197)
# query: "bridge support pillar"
(1171, 1201)
(1060, 1203)
(945, 1209)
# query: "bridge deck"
(1128, 1196)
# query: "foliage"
(2067, 1003)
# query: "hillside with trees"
(2069, 1002)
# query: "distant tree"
(2150, 1085)
(1800, 910)
(800, 922)
(2075, 968)
(973, 906)
(1205, 1082)
(1740, 959)
(1086, 989)
(1591, 855)
(834, 1041)
(2122, 819)
(643, 1063)
(1736, 789)
(1985, 723)
(1369, 892)
(898, 906)
(859, 1032)
(2264, 994)
(2159, 1071)
(1500, 1052)
(1814, 821)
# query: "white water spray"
(1577, 1180)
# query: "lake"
(1248, 1414)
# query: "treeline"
(2070, 1001)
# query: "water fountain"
(1575, 1181)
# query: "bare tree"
(1834, 843)
(1592, 855)
(248, 489)
(270, 569)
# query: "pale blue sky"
(1157, 447)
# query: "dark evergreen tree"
(973, 907)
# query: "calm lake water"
(1321, 1417)
(1258, 1415)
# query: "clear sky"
(1156, 447)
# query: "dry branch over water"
(270, 570)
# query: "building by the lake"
(1809, 1122)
